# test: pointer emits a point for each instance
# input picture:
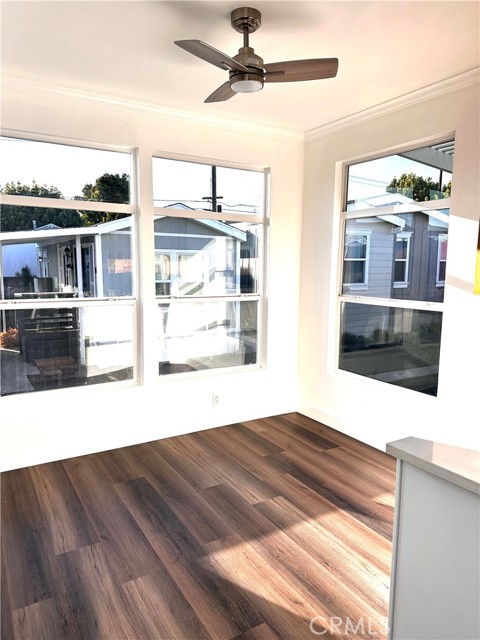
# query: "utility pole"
(213, 194)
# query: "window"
(208, 252)
(355, 260)
(396, 220)
(66, 266)
(401, 256)
(68, 274)
(442, 258)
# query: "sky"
(69, 168)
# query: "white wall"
(368, 410)
(45, 426)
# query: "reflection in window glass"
(393, 345)
(355, 259)
(72, 255)
(198, 335)
(198, 257)
(50, 170)
(192, 185)
(413, 176)
(56, 347)
(397, 256)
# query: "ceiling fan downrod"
(247, 20)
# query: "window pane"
(397, 346)
(355, 247)
(192, 185)
(416, 175)
(401, 249)
(70, 172)
(64, 347)
(200, 335)
(206, 257)
(399, 274)
(419, 253)
(354, 272)
(65, 254)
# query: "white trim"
(393, 302)
(402, 284)
(130, 105)
(358, 286)
(442, 237)
(448, 85)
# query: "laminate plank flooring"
(270, 529)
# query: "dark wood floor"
(249, 531)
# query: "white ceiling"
(116, 48)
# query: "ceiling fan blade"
(224, 92)
(299, 70)
(211, 55)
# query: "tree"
(107, 188)
(419, 188)
(25, 218)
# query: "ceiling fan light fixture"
(246, 85)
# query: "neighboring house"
(396, 256)
(192, 258)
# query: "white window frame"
(227, 216)
(80, 301)
(359, 286)
(402, 284)
(442, 238)
(390, 210)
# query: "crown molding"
(137, 107)
(449, 85)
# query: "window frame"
(402, 284)
(442, 238)
(346, 214)
(227, 216)
(131, 209)
(142, 214)
(358, 286)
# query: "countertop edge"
(454, 464)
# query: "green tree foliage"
(419, 188)
(21, 218)
(107, 188)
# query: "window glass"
(192, 185)
(197, 335)
(412, 176)
(198, 257)
(393, 345)
(355, 269)
(50, 170)
(52, 253)
(56, 347)
(396, 256)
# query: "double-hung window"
(402, 259)
(67, 294)
(395, 232)
(208, 230)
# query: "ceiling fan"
(247, 71)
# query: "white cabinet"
(435, 585)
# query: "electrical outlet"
(215, 399)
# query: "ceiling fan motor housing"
(251, 81)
